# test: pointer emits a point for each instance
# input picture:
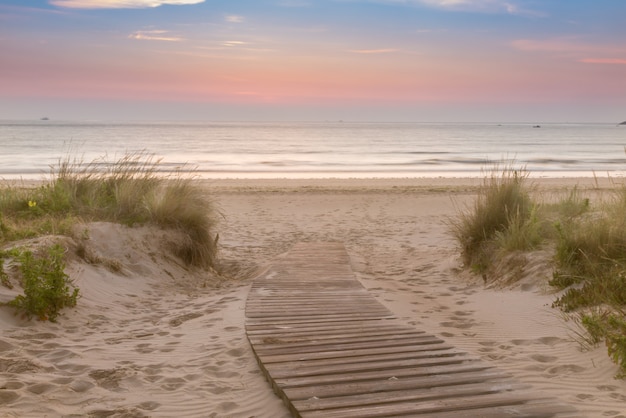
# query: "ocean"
(319, 149)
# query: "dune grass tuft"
(130, 191)
(502, 209)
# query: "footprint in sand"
(144, 348)
(40, 388)
(236, 352)
(80, 386)
(184, 318)
(543, 358)
(458, 325)
(618, 396)
(109, 379)
(149, 405)
(5, 346)
(12, 385)
(550, 341)
(566, 368)
(231, 328)
(8, 396)
(606, 388)
(173, 383)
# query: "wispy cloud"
(234, 43)
(234, 19)
(154, 35)
(118, 4)
(482, 6)
(373, 51)
(574, 49)
(617, 61)
(566, 44)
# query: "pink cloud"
(154, 35)
(118, 4)
(617, 61)
(373, 51)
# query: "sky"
(309, 60)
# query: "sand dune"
(150, 337)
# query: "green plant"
(502, 201)
(522, 233)
(609, 327)
(178, 204)
(589, 245)
(4, 278)
(46, 285)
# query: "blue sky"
(386, 60)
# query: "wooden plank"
(377, 340)
(322, 332)
(330, 349)
(375, 386)
(264, 326)
(278, 370)
(347, 355)
(342, 359)
(413, 394)
(537, 409)
(388, 374)
(451, 404)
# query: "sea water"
(29, 149)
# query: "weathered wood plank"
(375, 386)
(279, 371)
(451, 404)
(389, 374)
(328, 357)
(329, 349)
(413, 394)
(346, 342)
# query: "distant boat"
(623, 123)
(537, 126)
(45, 118)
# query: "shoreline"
(375, 183)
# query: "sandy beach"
(152, 338)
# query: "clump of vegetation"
(609, 326)
(591, 254)
(46, 285)
(589, 245)
(130, 191)
(502, 213)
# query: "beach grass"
(502, 213)
(129, 191)
(589, 245)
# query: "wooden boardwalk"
(330, 349)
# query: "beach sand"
(150, 337)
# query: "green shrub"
(46, 286)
